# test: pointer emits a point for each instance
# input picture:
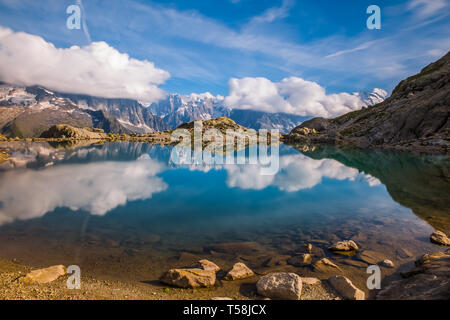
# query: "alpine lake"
(123, 211)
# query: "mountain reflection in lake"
(118, 207)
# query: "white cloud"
(95, 187)
(291, 95)
(426, 8)
(274, 13)
(97, 69)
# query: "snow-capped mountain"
(130, 113)
(177, 109)
(374, 97)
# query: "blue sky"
(204, 43)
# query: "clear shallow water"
(122, 210)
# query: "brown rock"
(189, 278)
(45, 275)
(208, 265)
(346, 245)
(280, 285)
(440, 238)
(371, 257)
(345, 288)
(324, 265)
(239, 271)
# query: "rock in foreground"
(345, 288)
(239, 271)
(208, 265)
(45, 275)
(287, 286)
(440, 238)
(189, 278)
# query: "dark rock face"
(416, 116)
(429, 280)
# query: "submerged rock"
(189, 278)
(239, 271)
(280, 286)
(387, 263)
(324, 265)
(308, 247)
(208, 265)
(300, 260)
(439, 237)
(280, 260)
(346, 288)
(346, 245)
(45, 275)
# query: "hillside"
(415, 116)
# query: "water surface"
(122, 210)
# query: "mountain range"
(29, 111)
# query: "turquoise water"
(123, 202)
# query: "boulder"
(208, 265)
(45, 275)
(287, 286)
(440, 238)
(239, 271)
(345, 288)
(189, 278)
(346, 245)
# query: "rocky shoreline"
(429, 279)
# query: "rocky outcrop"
(45, 275)
(69, 132)
(287, 286)
(440, 238)
(346, 288)
(429, 280)
(239, 271)
(415, 116)
(189, 278)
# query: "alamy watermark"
(74, 280)
(212, 147)
(374, 20)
